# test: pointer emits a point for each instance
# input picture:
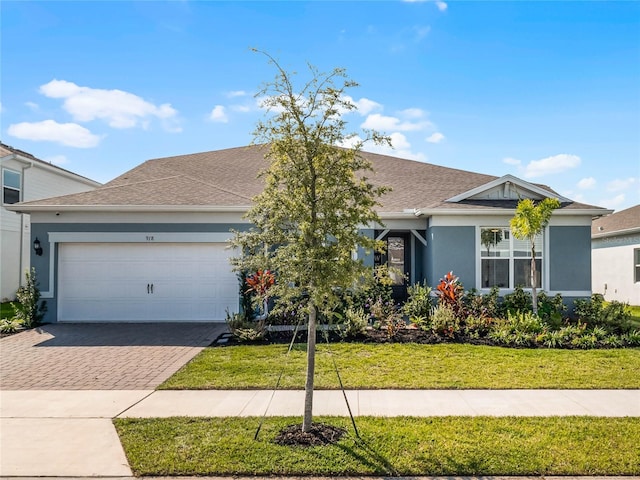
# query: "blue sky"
(546, 91)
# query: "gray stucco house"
(151, 245)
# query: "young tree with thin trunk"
(529, 221)
(317, 197)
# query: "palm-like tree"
(530, 220)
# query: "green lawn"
(411, 366)
(635, 313)
(389, 446)
(7, 310)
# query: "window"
(505, 261)
(11, 186)
(636, 257)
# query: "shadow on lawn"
(370, 458)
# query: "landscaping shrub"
(444, 321)
(387, 317)
(245, 330)
(631, 339)
(29, 309)
(377, 288)
(615, 317)
(519, 329)
(478, 327)
(354, 325)
(9, 325)
(517, 301)
(290, 314)
(479, 305)
(551, 309)
(419, 304)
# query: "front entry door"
(398, 259)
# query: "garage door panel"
(112, 282)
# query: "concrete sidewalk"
(390, 403)
(56, 433)
(63, 433)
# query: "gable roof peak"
(508, 187)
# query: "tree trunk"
(311, 364)
(534, 293)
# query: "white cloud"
(550, 165)
(412, 113)
(237, 93)
(269, 103)
(400, 148)
(118, 108)
(32, 106)
(442, 6)
(435, 137)
(218, 114)
(380, 122)
(350, 142)
(614, 202)
(399, 141)
(57, 160)
(240, 108)
(364, 106)
(511, 161)
(587, 183)
(622, 184)
(578, 197)
(69, 134)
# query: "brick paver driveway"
(100, 356)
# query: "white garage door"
(145, 282)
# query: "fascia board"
(616, 233)
(125, 208)
(505, 211)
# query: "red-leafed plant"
(260, 282)
(450, 292)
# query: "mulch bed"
(372, 335)
(319, 435)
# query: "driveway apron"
(61, 384)
(113, 356)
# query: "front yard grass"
(390, 446)
(410, 366)
(7, 310)
(635, 315)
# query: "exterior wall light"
(37, 247)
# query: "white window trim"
(19, 189)
(635, 265)
(544, 280)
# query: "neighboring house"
(26, 178)
(615, 256)
(151, 245)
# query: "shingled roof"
(229, 179)
(624, 221)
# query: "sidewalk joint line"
(134, 404)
